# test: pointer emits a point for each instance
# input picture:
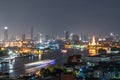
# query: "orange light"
(92, 52)
(93, 41)
(67, 46)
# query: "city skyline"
(54, 17)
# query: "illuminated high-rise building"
(41, 38)
(67, 35)
(75, 37)
(6, 34)
(37, 37)
(84, 37)
(31, 33)
(47, 37)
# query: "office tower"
(37, 37)
(6, 34)
(66, 34)
(31, 33)
(75, 37)
(85, 38)
(23, 37)
(12, 38)
(41, 38)
(47, 37)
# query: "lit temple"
(93, 41)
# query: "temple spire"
(93, 41)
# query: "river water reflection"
(17, 67)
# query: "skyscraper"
(75, 37)
(23, 37)
(31, 33)
(47, 37)
(5, 33)
(66, 33)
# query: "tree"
(102, 51)
(3, 53)
(115, 49)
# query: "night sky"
(55, 16)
